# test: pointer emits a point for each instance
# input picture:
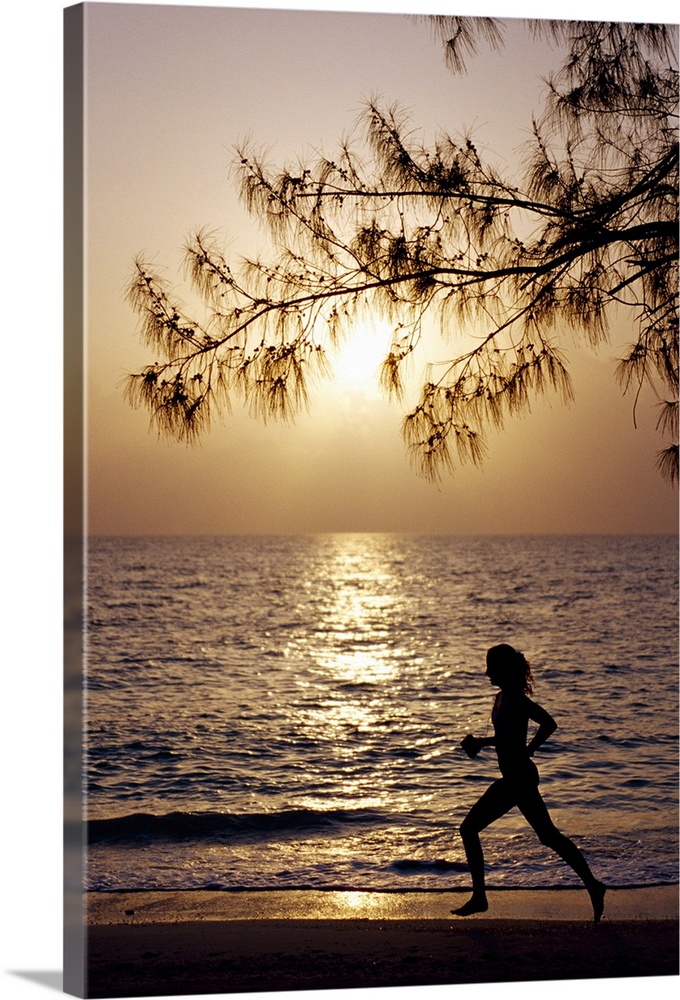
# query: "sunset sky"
(170, 91)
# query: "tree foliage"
(420, 233)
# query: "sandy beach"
(165, 943)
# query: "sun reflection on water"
(362, 599)
(358, 900)
(352, 665)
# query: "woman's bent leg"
(534, 809)
(493, 804)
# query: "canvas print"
(371, 546)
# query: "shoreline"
(164, 944)
(646, 903)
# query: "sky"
(170, 91)
(32, 504)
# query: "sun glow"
(356, 364)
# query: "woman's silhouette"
(508, 670)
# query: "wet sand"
(170, 943)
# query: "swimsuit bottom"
(521, 776)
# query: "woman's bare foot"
(596, 892)
(475, 904)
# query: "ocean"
(286, 712)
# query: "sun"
(356, 363)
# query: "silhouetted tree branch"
(417, 233)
